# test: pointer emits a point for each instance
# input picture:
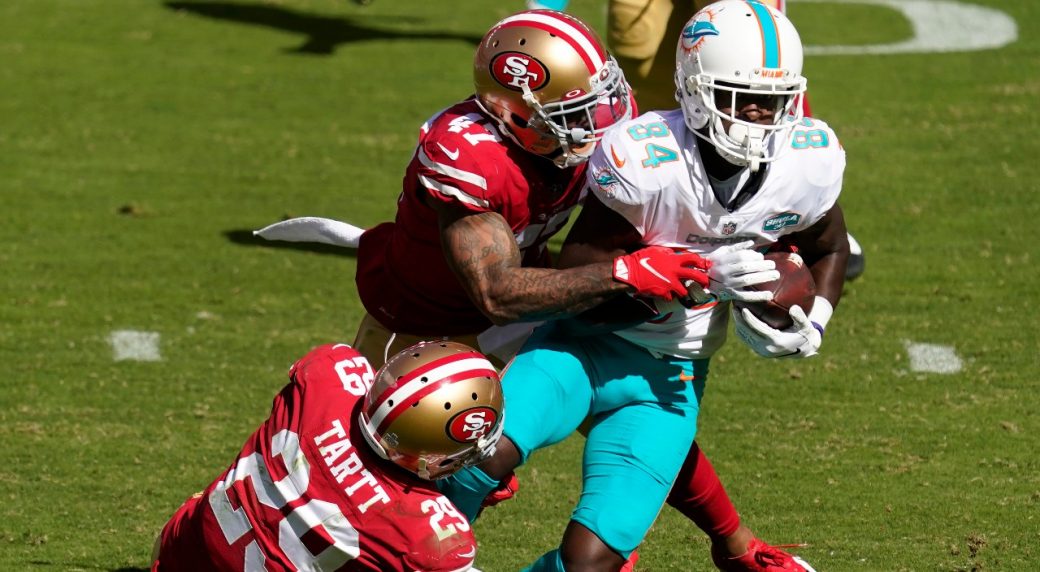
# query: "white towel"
(313, 229)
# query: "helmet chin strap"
(752, 141)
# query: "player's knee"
(583, 551)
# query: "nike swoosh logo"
(683, 376)
(617, 160)
(472, 552)
(453, 155)
(645, 263)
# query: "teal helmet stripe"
(770, 35)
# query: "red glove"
(504, 491)
(661, 272)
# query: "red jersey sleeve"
(454, 167)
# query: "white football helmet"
(434, 408)
(547, 79)
(733, 53)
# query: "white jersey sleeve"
(633, 169)
(815, 166)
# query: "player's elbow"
(498, 311)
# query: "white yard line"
(933, 358)
(938, 26)
(134, 345)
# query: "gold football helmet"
(434, 408)
(548, 81)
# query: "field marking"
(933, 358)
(939, 26)
(134, 345)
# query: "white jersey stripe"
(464, 176)
(454, 173)
(406, 391)
(452, 192)
(576, 38)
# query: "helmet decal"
(515, 69)
(562, 27)
(472, 424)
(694, 33)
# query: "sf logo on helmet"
(472, 424)
(514, 70)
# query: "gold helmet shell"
(547, 79)
(434, 408)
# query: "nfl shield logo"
(729, 228)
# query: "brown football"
(795, 287)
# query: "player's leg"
(548, 394)
(857, 260)
(629, 455)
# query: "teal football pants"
(644, 418)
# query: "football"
(795, 287)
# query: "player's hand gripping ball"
(795, 287)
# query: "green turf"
(139, 139)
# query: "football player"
(493, 178)
(340, 476)
(641, 35)
(736, 169)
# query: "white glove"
(737, 266)
(801, 340)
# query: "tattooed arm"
(482, 251)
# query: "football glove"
(661, 272)
(505, 490)
(735, 267)
(801, 340)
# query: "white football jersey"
(649, 170)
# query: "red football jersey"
(307, 492)
(463, 159)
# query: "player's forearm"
(829, 275)
(528, 294)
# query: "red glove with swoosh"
(660, 271)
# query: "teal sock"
(549, 562)
(467, 489)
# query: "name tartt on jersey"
(350, 471)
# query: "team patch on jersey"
(472, 424)
(514, 69)
(781, 220)
(606, 181)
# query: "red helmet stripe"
(579, 38)
(406, 404)
(468, 365)
(423, 370)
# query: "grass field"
(139, 139)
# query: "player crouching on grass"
(340, 476)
